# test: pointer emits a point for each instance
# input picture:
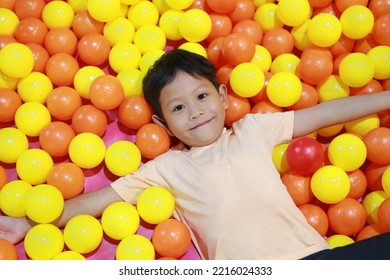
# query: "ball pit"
(71, 99)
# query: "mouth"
(201, 124)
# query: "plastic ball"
(87, 150)
(149, 37)
(308, 98)
(298, 186)
(238, 108)
(3, 178)
(221, 26)
(41, 56)
(16, 60)
(373, 174)
(279, 158)
(60, 40)
(377, 142)
(43, 242)
(247, 79)
(238, 48)
(62, 102)
(104, 10)
(324, 30)
(55, 137)
(362, 125)
(143, 13)
(171, 238)
(68, 178)
(339, 240)
(357, 21)
(122, 157)
(383, 215)
(31, 117)
(83, 23)
(155, 204)
(386, 181)
(278, 41)
(356, 69)
(262, 58)
(266, 16)
(120, 220)
(152, 140)
(31, 30)
(88, 118)
(305, 155)
(369, 231)
(195, 25)
(358, 182)
(381, 29)
(83, 233)
(135, 247)
(293, 12)
(131, 78)
(9, 102)
(284, 89)
(84, 78)
(347, 151)
(61, 69)
(106, 92)
(44, 203)
(33, 166)
(286, 62)
(331, 88)
(179, 5)
(194, 47)
(7, 81)
(93, 49)
(119, 30)
(57, 14)
(13, 197)
(9, 21)
(124, 55)
(69, 255)
(316, 217)
(8, 250)
(330, 184)
(380, 55)
(35, 87)
(13, 143)
(169, 23)
(371, 203)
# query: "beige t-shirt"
(230, 194)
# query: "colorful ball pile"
(73, 116)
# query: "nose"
(196, 112)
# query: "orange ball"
(374, 173)
(29, 8)
(381, 30)
(358, 184)
(171, 238)
(7, 250)
(41, 56)
(298, 186)
(68, 178)
(83, 23)
(106, 92)
(93, 49)
(383, 215)
(61, 69)
(88, 118)
(377, 142)
(369, 231)
(31, 30)
(316, 217)
(152, 140)
(60, 40)
(9, 103)
(251, 28)
(3, 177)
(62, 102)
(309, 97)
(238, 107)
(134, 112)
(278, 41)
(221, 25)
(238, 48)
(55, 138)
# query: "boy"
(225, 185)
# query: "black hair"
(165, 69)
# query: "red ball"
(55, 138)
(152, 140)
(305, 155)
(171, 238)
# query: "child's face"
(193, 109)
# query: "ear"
(222, 91)
(159, 121)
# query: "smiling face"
(193, 109)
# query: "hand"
(14, 229)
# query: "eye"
(202, 96)
(178, 108)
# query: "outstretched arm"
(339, 110)
(92, 203)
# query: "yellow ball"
(262, 58)
(299, 34)
(8, 21)
(31, 117)
(149, 37)
(330, 184)
(119, 30)
(195, 25)
(247, 79)
(124, 56)
(43, 242)
(194, 47)
(330, 130)
(122, 157)
(332, 88)
(339, 240)
(148, 59)
(357, 21)
(135, 247)
(34, 165)
(143, 13)
(13, 197)
(84, 78)
(169, 23)
(131, 80)
(36, 86)
(78, 5)
(356, 69)
(83, 233)
(293, 12)
(371, 203)
(44, 203)
(58, 14)
(279, 158)
(155, 204)
(380, 55)
(120, 220)
(8, 82)
(16, 60)
(87, 150)
(13, 143)
(284, 89)
(347, 151)
(363, 125)
(324, 30)
(179, 5)
(385, 181)
(69, 255)
(286, 62)
(266, 16)
(104, 10)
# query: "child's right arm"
(92, 203)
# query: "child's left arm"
(338, 111)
